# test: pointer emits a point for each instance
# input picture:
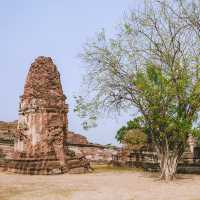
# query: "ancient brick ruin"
(146, 158)
(42, 125)
(76, 143)
(42, 120)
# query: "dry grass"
(110, 168)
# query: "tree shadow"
(155, 176)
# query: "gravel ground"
(101, 185)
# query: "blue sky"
(59, 29)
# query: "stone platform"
(43, 166)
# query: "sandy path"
(98, 186)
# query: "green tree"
(134, 134)
(135, 139)
(152, 64)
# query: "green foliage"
(152, 65)
(136, 123)
(110, 146)
(135, 138)
(120, 134)
(84, 110)
(133, 134)
(196, 133)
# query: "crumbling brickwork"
(42, 120)
(74, 138)
(41, 133)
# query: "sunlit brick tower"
(42, 124)
(40, 139)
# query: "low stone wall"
(6, 149)
(75, 142)
(190, 163)
(94, 153)
(74, 138)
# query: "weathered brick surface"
(75, 142)
(40, 134)
(42, 115)
(7, 130)
(95, 153)
(6, 151)
(74, 138)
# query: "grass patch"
(110, 168)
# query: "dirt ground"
(107, 184)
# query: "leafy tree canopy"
(151, 64)
(136, 123)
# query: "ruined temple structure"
(42, 113)
(42, 125)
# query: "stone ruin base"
(147, 160)
(32, 166)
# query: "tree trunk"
(168, 165)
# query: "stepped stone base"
(39, 166)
